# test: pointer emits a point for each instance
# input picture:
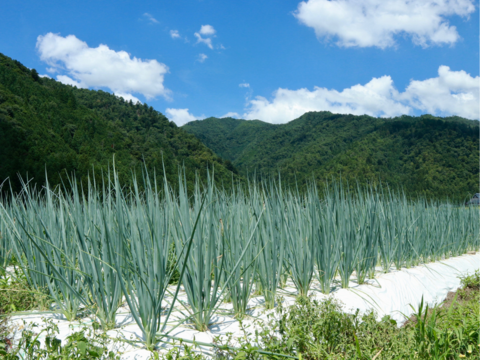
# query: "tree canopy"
(49, 127)
(426, 155)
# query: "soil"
(464, 295)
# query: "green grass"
(17, 295)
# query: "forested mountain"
(426, 155)
(45, 125)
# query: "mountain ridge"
(46, 126)
(49, 127)
(426, 155)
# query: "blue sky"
(270, 60)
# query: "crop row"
(102, 246)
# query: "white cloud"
(128, 97)
(206, 41)
(44, 76)
(451, 93)
(373, 98)
(207, 30)
(179, 116)
(376, 22)
(102, 67)
(174, 34)
(64, 79)
(202, 58)
(244, 85)
(231, 114)
(150, 18)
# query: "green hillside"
(435, 157)
(47, 125)
(230, 138)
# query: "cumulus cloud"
(150, 18)
(375, 97)
(376, 22)
(128, 97)
(202, 57)
(44, 76)
(207, 31)
(180, 116)
(244, 85)
(102, 67)
(174, 34)
(231, 114)
(206, 41)
(64, 79)
(451, 93)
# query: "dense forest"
(50, 128)
(46, 126)
(427, 156)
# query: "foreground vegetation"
(308, 330)
(93, 249)
(428, 156)
(321, 330)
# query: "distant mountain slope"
(437, 157)
(47, 125)
(230, 138)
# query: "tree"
(35, 75)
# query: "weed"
(17, 295)
(184, 353)
(471, 281)
(84, 344)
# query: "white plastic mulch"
(391, 294)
